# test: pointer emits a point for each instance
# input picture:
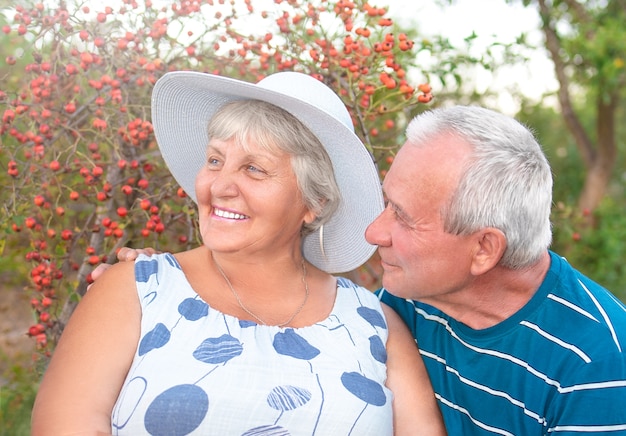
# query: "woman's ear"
(309, 216)
(490, 247)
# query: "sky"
(486, 18)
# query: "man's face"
(419, 259)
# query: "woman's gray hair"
(275, 129)
(507, 183)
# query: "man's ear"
(490, 247)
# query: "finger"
(126, 254)
(99, 270)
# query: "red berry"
(142, 183)
(70, 108)
(425, 88)
(71, 69)
(36, 329)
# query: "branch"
(579, 11)
(96, 240)
(574, 125)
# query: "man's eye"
(397, 213)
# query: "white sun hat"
(183, 102)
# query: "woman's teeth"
(229, 215)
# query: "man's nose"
(376, 233)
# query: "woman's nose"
(225, 183)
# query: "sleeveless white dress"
(198, 371)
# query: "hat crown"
(309, 90)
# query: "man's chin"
(392, 287)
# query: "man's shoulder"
(585, 296)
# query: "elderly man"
(515, 340)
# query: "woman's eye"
(254, 169)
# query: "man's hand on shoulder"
(125, 254)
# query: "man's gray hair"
(507, 183)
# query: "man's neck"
(494, 296)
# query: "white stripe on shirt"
(557, 341)
(604, 315)
(572, 306)
(477, 423)
(541, 420)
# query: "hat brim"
(183, 102)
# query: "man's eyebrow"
(397, 208)
(400, 211)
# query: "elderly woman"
(249, 334)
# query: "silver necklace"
(249, 312)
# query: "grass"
(17, 396)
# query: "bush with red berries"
(81, 173)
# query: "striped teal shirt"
(558, 366)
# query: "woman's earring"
(322, 240)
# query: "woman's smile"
(222, 213)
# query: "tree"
(585, 40)
(82, 175)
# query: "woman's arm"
(415, 409)
(91, 360)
